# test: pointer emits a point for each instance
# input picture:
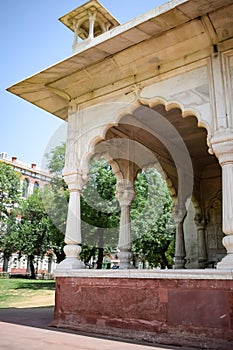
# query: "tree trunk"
(32, 268)
(5, 263)
(164, 263)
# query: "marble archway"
(141, 135)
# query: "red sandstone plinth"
(188, 312)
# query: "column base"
(72, 261)
(69, 264)
(226, 263)
(126, 266)
(125, 260)
(179, 262)
(202, 263)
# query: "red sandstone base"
(196, 313)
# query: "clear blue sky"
(32, 38)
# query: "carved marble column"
(180, 253)
(92, 17)
(201, 241)
(76, 33)
(73, 236)
(222, 145)
(125, 195)
(75, 175)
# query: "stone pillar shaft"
(125, 228)
(92, 16)
(227, 194)
(222, 146)
(202, 252)
(125, 194)
(73, 236)
(76, 33)
(201, 241)
(75, 175)
(73, 225)
(180, 252)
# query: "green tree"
(99, 212)
(9, 199)
(55, 199)
(56, 159)
(9, 189)
(152, 226)
(31, 234)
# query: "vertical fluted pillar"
(73, 236)
(75, 174)
(201, 241)
(222, 146)
(92, 16)
(125, 195)
(180, 253)
(76, 34)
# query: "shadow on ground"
(39, 317)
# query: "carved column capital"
(179, 213)
(221, 144)
(125, 193)
(75, 180)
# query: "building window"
(36, 185)
(25, 188)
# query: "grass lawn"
(17, 292)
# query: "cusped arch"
(101, 130)
(128, 109)
(185, 112)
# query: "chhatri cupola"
(87, 22)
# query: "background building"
(31, 175)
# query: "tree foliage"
(56, 198)
(152, 226)
(29, 235)
(9, 199)
(29, 227)
(99, 211)
(9, 189)
(56, 159)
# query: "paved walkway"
(24, 329)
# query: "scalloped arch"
(129, 108)
(185, 112)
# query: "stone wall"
(151, 307)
